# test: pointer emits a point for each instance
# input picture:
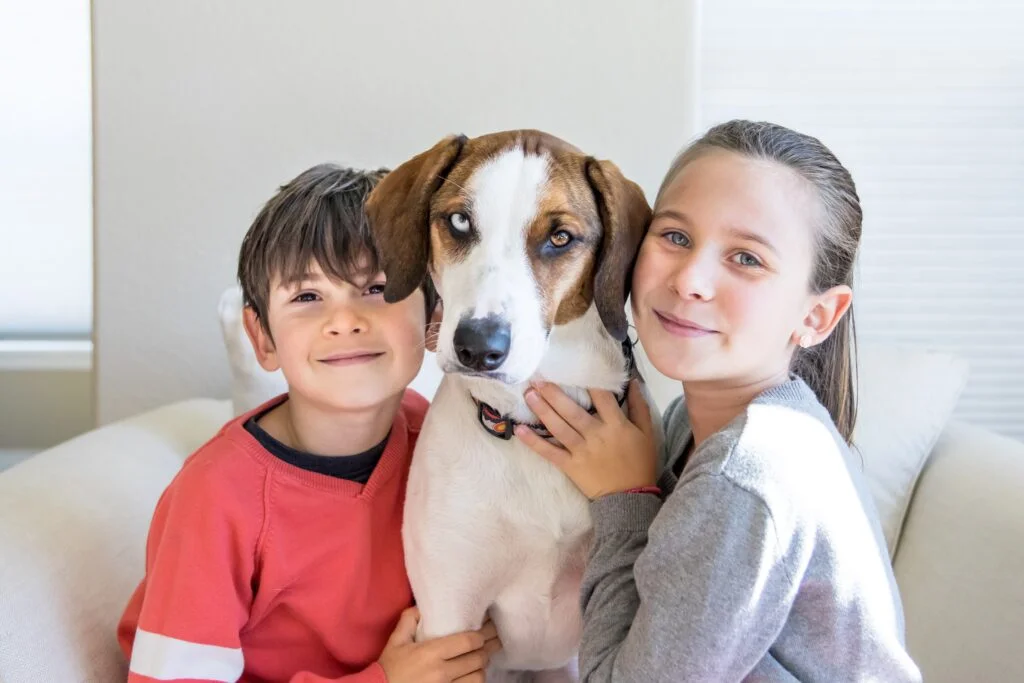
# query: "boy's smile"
(345, 359)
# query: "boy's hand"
(602, 454)
(458, 658)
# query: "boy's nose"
(345, 320)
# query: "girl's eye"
(747, 260)
(677, 238)
(305, 297)
(373, 290)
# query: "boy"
(272, 556)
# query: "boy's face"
(339, 345)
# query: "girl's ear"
(434, 326)
(262, 344)
(827, 309)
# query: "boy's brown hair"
(319, 217)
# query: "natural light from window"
(45, 170)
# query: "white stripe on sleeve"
(168, 659)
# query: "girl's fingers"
(553, 419)
(607, 405)
(558, 457)
(570, 411)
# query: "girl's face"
(721, 285)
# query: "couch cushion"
(960, 561)
(73, 523)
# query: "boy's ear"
(827, 309)
(434, 326)
(262, 344)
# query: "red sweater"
(257, 570)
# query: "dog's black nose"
(482, 344)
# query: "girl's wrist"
(654, 490)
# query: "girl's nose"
(694, 278)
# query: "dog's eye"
(560, 238)
(459, 222)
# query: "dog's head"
(521, 232)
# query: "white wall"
(202, 109)
(923, 102)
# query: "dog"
(530, 244)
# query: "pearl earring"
(805, 341)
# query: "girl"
(756, 554)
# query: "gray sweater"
(764, 562)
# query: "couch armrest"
(960, 562)
(73, 524)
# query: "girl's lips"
(681, 327)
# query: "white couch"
(73, 523)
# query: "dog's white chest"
(491, 527)
(465, 471)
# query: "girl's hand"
(603, 453)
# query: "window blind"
(924, 103)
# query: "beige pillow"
(251, 385)
(905, 398)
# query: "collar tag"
(496, 424)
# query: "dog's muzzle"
(503, 426)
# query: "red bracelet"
(645, 489)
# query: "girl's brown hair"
(828, 368)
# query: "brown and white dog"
(530, 244)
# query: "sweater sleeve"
(183, 621)
(705, 599)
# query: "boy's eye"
(677, 238)
(747, 259)
(375, 289)
(305, 297)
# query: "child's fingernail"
(531, 395)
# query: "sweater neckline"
(395, 455)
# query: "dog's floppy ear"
(625, 216)
(398, 211)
